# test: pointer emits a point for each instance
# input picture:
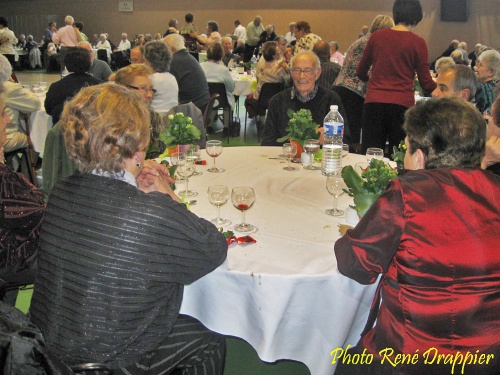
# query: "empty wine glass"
(218, 195)
(43, 85)
(214, 149)
(335, 186)
(193, 153)
(185, 169)
(243, 198)
(35, 87)
(289, 150)
(311, 147)
(374, 153)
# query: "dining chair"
(222, 104)
(207, 112)
(268, 90)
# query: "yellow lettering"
(468, 356)
(384, 355)
(338, 353)
(488, 357)
(481, 359)
(427, 354)
(458, 357)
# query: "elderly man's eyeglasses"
(144, 89)
(308, 72)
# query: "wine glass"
(374, 153)
(311, 147)
(185, 169)
(335, 186)
(193, 153)
(243, 198)
(43, 86)
(289, 150)
(214, 149)
(218, 196)
(35, 87)
(345, 150)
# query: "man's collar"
(310, 96)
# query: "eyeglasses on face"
(297, 72)
(144, 89)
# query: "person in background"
(79, 32)
(457, 57)
(65, 37)
(391, 83)
(103, 42)
(34, 54)
(305, 37)
(227, 45)
(305, 94)
(7, 42)
(335, 54)
(488, 73)
(21, 41)
(189, 27)
(329, 69)
(173, 27)
(491, 159)
(444, 63)
(268, 35)
(153, 247)
(98, 68)
(137, 55)
(462, 47)
(49, 31)
(22, 211)
(166, 90)
(254, 29)
(439, 285)
(447, 52)
(217, 72)
(350, 88)
(364, 31)
(212, 36)
(240, 32)
(456, 81)
(290, 35)
(78, 64)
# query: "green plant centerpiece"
(398, 154)
(301, 126)
(365, 189)
(180, 130)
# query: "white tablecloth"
(283, 294)
(19, 52)
(40, 124)
(243, 82)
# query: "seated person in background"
(21, 41)
(21, 211)
(77, 61)
(443, 63)
(458, 57)
(488, 73)
(212, 36)
(491, 159)
(439, 284)
(98, 68)
(34, 54)
(52, 53)
(335, 55)
(240, 48)
(305, 94)
(103, 42)
(137, 55)
(229, 56)
(124, 43)
(446, 53)
(158, 56)
(119, 264)
(268, 35)
(17, 100)
(173, 27)
(462, 47)
(459, 81)
(329, 69)
(217, 72)
(193, 85)
(269, 70)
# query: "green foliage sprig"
(367, 188)
(181, 131)
(301, 126)
(398, 154)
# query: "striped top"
(112, 265)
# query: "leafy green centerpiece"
(367, 188)
(398, 154)
(181, 131)
(301, 126)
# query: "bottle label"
(333, 128)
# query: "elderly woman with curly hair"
(433, 236)
(159, 57)
(116, 248)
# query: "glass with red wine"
(243, 198)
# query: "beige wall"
(339, 20)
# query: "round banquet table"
(282, 294)
(242, 83)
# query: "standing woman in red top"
(394, 55)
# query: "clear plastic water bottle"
(333, 127)
(253, 62)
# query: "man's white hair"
(175, 41)
(68, 20)
(314, 57)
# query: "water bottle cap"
(334, 107)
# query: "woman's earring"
(139, 164)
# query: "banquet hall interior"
(332, 20)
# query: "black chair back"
(102, 54)
(219, 88)
(267, 91)
(207, 113)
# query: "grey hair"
(5, 71)
(158, 55)
(446, 60)
(465, 78)
(226, 38)
(492, 60)
(175, 41)
(317, 63)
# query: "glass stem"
(214, 163)
(335, 203)
(311, 160)
(218, 213)
(288, 164)
(242, 217)
(187, 185)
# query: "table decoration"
(365, 189)
(180, 134)
(398, 154)
(301, 126)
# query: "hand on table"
(155, 177)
